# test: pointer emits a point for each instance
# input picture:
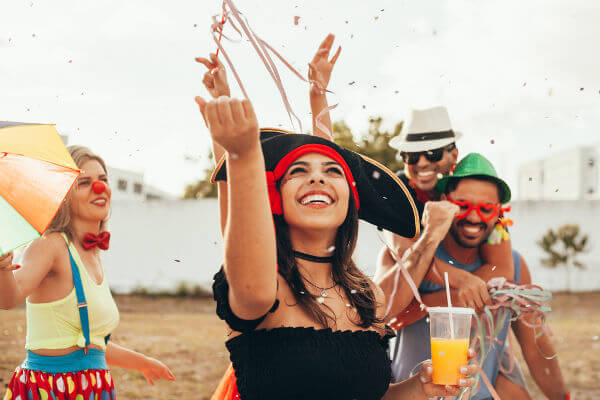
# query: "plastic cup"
(449, 349)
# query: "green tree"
(373, 143)
(562, 247)
(203, 188)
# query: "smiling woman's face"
(314, 193)
(85, 203)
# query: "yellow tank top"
(56, 325)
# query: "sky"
(520, 79)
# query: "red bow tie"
(90, 241)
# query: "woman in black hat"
(304, 321)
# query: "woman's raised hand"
(215, 79)
(319, 69)
(232, 124)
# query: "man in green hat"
(426, 129)
(476, 188)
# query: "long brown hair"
(345, 273)
(62, 221)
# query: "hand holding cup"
(431, 389)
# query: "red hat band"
(288, 159)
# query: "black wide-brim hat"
(380, 196)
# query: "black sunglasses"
(434, 155)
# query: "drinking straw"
(449, 305)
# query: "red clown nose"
(98, 187)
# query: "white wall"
(131, 177)
(531, 181)
(148, 237)
(562, 176)
(532, 221)
(570, 175)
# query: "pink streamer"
(263, 49)
(402, 270)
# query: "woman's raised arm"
(250, 250)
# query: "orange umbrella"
(36, 173)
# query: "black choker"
(309, 257)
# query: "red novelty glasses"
(486, 211)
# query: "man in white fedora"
(427, 147)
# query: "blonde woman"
(70, 310)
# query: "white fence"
(160, 244)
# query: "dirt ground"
(187, 336)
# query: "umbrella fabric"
(36, 173)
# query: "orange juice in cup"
(450, 330)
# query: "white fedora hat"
(425, 130)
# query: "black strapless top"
(295, 363)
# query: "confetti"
(301, 292)
(442, 352)
(493, 268)
(353, 291)
(348, 305)
(595, 338)
(234, 156)
(451, 262)
(331, 249)
(376, 174)
(547, 371)
(320, 300)
(296, 19)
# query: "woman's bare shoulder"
(49, 246)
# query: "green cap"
(472, 166)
